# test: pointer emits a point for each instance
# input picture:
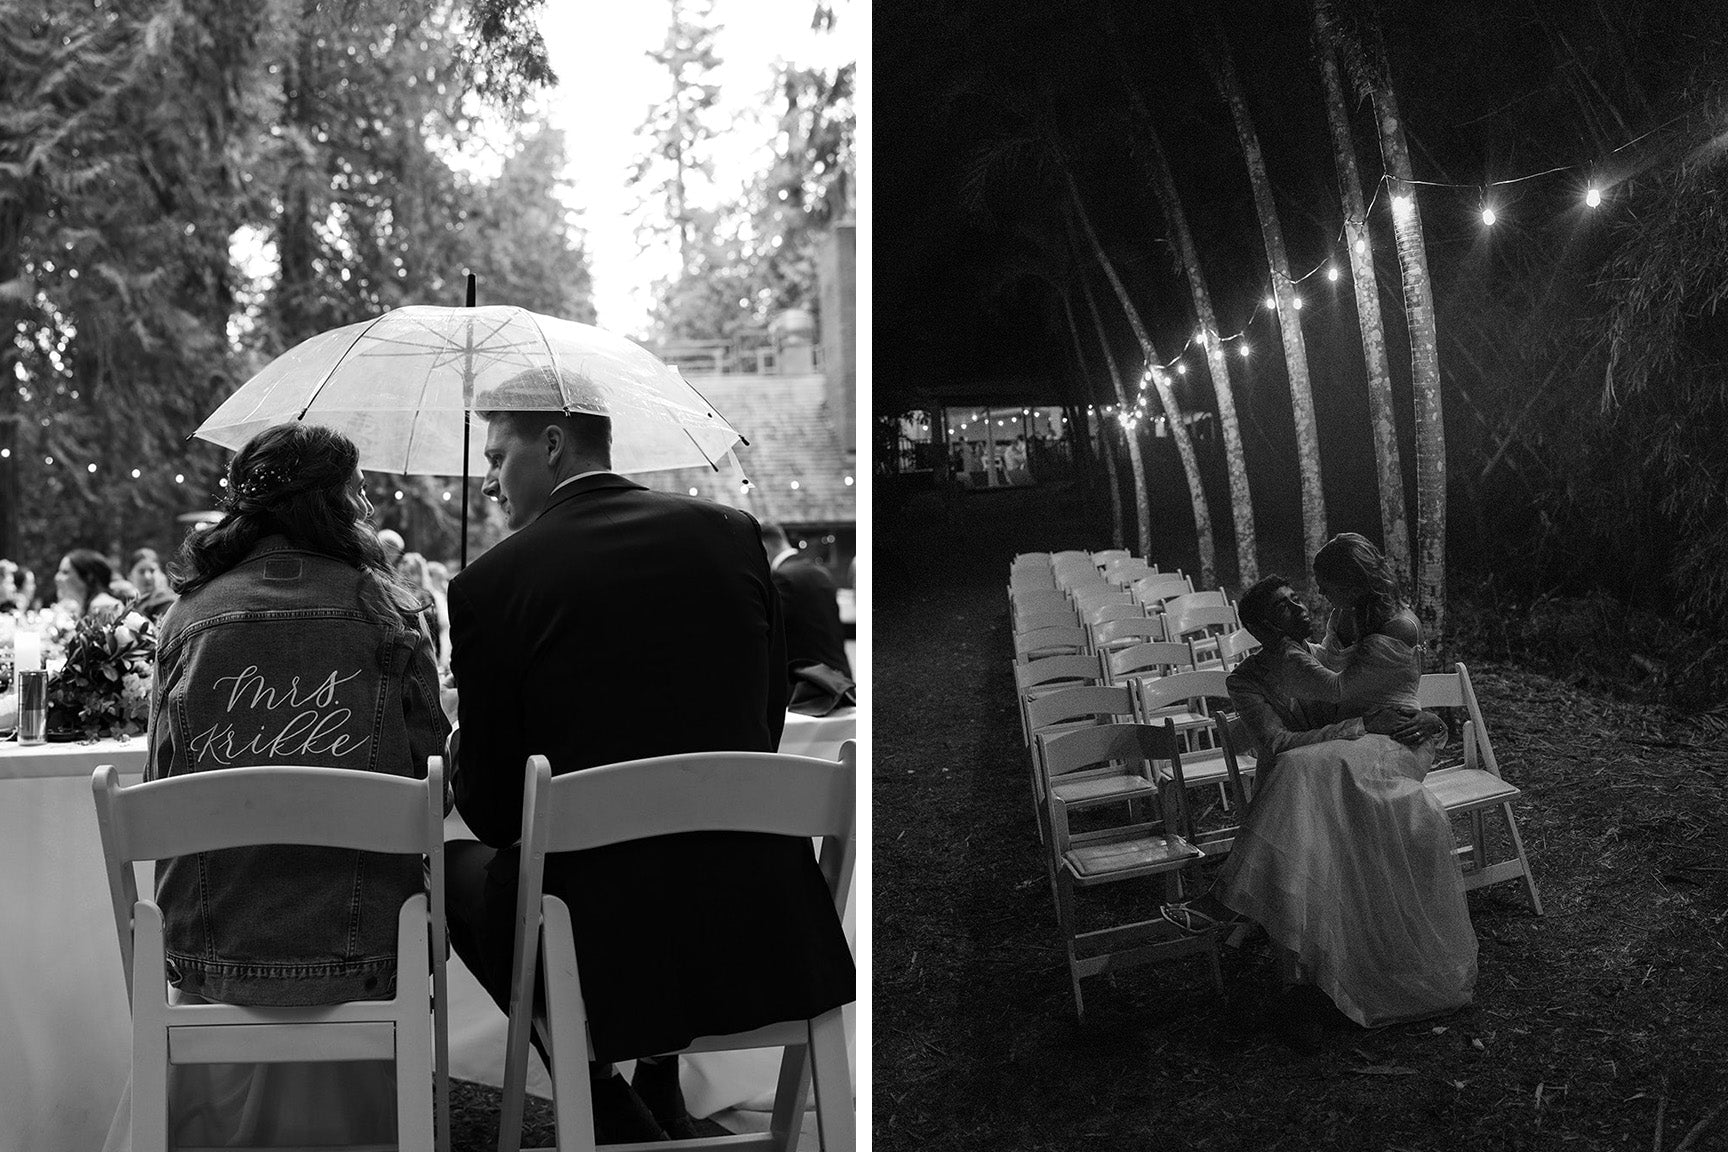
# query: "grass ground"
(1602, 1024)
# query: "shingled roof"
(794, 440)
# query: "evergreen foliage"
(146, 146)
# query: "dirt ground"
(1603, 1023)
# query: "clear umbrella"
(402, 386)
(399, 386)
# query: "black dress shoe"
(620, 1116)
(657, 1084)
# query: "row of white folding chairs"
(342, 808)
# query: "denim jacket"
(290, 657)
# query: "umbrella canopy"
(398, 386)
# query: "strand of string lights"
(1593, 198)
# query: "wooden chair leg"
(833, 1082)
(789, 1095)
(1523, 858)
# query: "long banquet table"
(65, 1031)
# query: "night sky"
(969, 225)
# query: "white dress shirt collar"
(581, 476)
(781, 558)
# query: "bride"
(1345, 858)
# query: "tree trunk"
(1136, 456)
(1283, 290)
(1217, 363)
(1118, 533)
(1369, 69)
(1394, 526)
(1178, 430)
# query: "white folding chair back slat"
(1042, 600)
(323, 807)
(702, 792)
(1056, 641)
(1155, 590)
(1154, 658)
(1061, 618)
(1113, 634)
(1211, 598)
(1103, 612)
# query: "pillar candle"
(27, 652)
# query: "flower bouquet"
(103, 689)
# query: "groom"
(617, 624)
(1271, 611)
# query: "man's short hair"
(774, 536)
(1255, 606)
(589, 434)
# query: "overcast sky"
(606, 84)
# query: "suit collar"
(593, 482)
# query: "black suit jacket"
(812, 611)
(622, 624)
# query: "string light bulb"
(1271, 302)
(1332, 273)
(1361, 247)
(1181, 369)
(1488, 217)
(1244, 351)
(1298, 303)
(1402, 203)
(1593, 197)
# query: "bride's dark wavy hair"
(1351, 561)
(290, 479)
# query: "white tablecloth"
(65, 1031)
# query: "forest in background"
(189, 188)
(1579, 348)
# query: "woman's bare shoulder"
(1402, 627)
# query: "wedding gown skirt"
(1347, 861)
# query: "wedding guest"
(562, 645)
(394, 546)
(413, 571)
(809, 602)
(81, 583)
(155, 597)
(289, 597)
(9, 600)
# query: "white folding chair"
(1126, 631)
(1063, 617)
(1475, 787)
(1105, 557)
(1120, 853)
(325, 807)
(1037, 678)
(615, 803)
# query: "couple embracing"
(1344, 858)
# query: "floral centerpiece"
(103, 689)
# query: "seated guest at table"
(562, 646)
(291, 643)
(810, 602)
(412, 570)
(9, 598)
(155, 597)
(81, 583)
(393, 544)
